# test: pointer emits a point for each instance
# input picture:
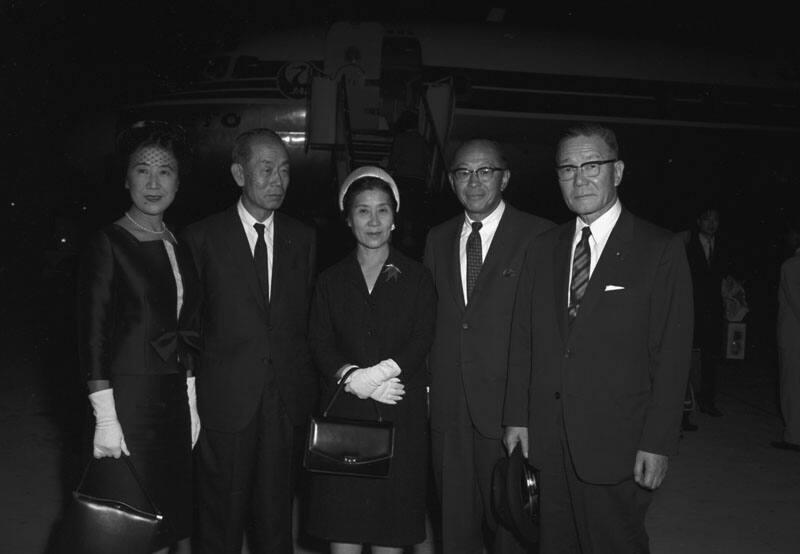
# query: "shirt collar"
(248, 220)
(602, 226)
(490, 220)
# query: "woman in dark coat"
(137, 305)
(374, 310)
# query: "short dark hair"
(706, 208)
(589, 129)
(243, 143)
(492, 144)
(366, 183)
(167, 136)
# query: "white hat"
(369, 171)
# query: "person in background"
(475, 259)
(708, 263)
(599, 357)
(409, 162)
(256, 384)
(138, 306)
(789, 347)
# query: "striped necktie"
(580, 273)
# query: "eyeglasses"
(587, 169)
(484, 174)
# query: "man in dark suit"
(708, 265)
(599, 357)
(475, 260)
(256, 384)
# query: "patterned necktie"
(580, 273)
(261, 261)
(474, 257)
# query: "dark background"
(64, 61)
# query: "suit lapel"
(281, 258)
(454, 269)
(562, 263)
(237, 249)
(502, 244)
(608, 264)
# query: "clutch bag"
(96, 525)
(355, 447)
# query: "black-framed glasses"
(587, 169)
(484, 174)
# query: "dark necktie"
(580, 273)
(261, 261)
(474, 257)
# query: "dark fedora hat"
(515, 496)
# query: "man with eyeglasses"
(475, 259)
(599, 357)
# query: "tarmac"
(727, 492)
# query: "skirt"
(153, 411)
(383, 512)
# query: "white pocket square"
(613, 287)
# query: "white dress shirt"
(176, 272)
(707, 242)
(252, 236)
(601, 229)
(487, 232)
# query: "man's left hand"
(650, 469)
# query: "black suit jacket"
(245, 344)
(127, 323)
(470, 347)
(618, 374)
(707, 286)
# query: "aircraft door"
(353, 54)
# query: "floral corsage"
(391, 271)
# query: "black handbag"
(97, 525)
(355, 447)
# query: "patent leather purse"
(354, 447)
(96, 525)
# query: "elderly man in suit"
(475, 259)
(599, 357)
(256, 384)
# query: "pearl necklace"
(145, 229)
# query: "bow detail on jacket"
(185, 343)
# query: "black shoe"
(687, 425)
(711, 410)
(783, 445)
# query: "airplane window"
(217, 68)
(250, 67)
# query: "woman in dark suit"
(374, 310)
(138, 308)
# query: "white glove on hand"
(193, 416)
(390, 391)
(363, 382)
(108, 438)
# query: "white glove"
(108, 438)
(193, 415)
(390, 363)
(390, 391)
(363, 382)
